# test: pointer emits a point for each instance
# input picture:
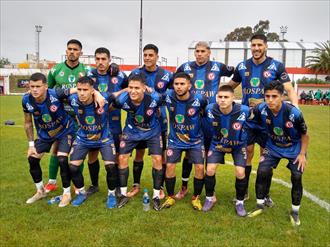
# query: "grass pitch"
(93, 225)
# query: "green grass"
(93, 225)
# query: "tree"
(3, 62)
(320, 60)
(245, 33)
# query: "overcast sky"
(171, 25)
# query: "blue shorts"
(79, 151)
(154, 144)
(143, 144)
(256, 136)
(215, 156)
(196, 156)
(269, 158)
(64, 144)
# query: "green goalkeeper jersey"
(62, 76)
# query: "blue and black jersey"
(93, 122)
(284, 129)
(185, 120)
(255, 77)
(160, 80)
(50, 118)
(228, 129)
(205, 79)
(110, 84)
(142, 120)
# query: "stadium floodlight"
(38, 31)
(141, 35)
(284, 30)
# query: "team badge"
(268, 121)
(122, 144)
(267, 74)
(191, 75)
(224, 132)
(61, 73)
(102, 87)
(255, 81)
(237, 126)
(284, 76)
(171, 108)
(139, 118)
(71, 78)
(53, 108)
(90, 120)
(199, 84)
(114, 80)
(80, 111)
(160, 84)
(179, 118)
(278, 131)
(100, 111)
(169, 152)
(211, 76)
(289, 124)
(81, 74)
(247, 73)
(149, 112)
(191, 112)
(46, 118)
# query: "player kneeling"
(227, 119)
(287, 138)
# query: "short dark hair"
(181, 75)
(226, 88)
(137, 77)
(151, 47)
(102, 50)
(259, 36)
(86, 80)
(38, 77)
(275, 85)
(74, 41)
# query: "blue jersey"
(228, 129)
(110, 84)
(93, 123)
(160, 80)
(185, 120)
(255, 77)
(284, 130)
(205, 79)
(50, 119)
(142, 120)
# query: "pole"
(141, 35)
(38, 30)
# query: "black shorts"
(64, 144)
(79, 151)
(154, 144)
(215, 156)
(196, 156)
(256, 136)
(143, 144)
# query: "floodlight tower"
(284, 30)
(38, 31)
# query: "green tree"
(320, 60)
(245, 33)
(3, 62)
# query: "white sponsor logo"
(241, 66)
(153, 104)
(187, 67)
(196, 103)
(29, 107)
(52, 99)
(166, 77)
(74, 102)
(291, 117)
(215, 67)
(210, 115)
(125, 106)
(242, 117)
(272, 67)
(264, 112)
(168, 99)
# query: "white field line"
(307, 194)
